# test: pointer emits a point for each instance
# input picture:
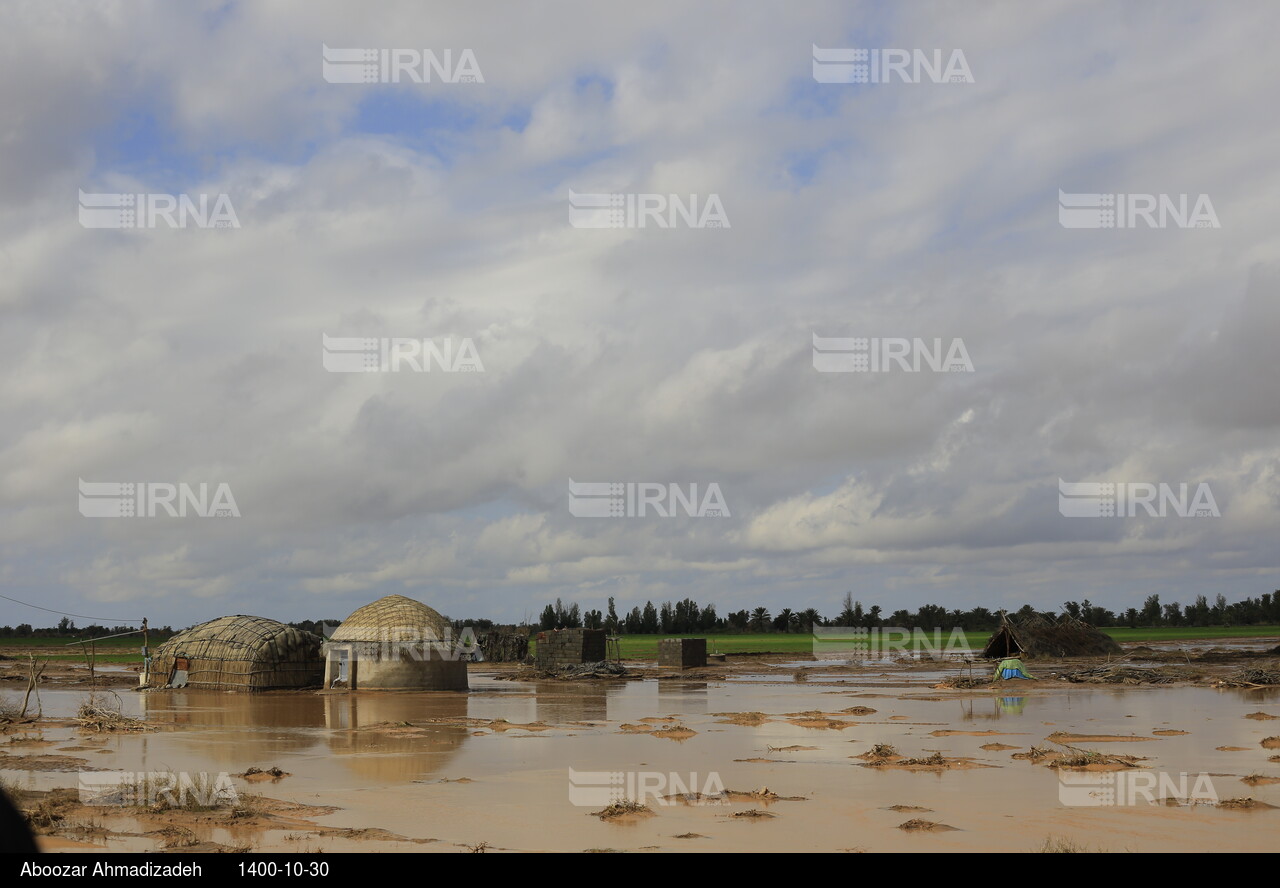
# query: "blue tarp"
(1010, 667)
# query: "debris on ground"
(1244, 804)
(1092, 759)
(622, 809)
(1114, 673)
(753, 813)
(936, 759)
(577, 672)
(925, 825)
(99, 718)
(256, 774)
(1250, 678)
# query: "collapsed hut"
(395, 643)
(237, 653)
(503, 647)
(1039, 636)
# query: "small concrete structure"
(682, 653)
(395, 643)
(569, 647)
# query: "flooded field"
(786, 758)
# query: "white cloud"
(666, 355)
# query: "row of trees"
(684, 617)
(1247, 612)
(67, 629)
(687, 617)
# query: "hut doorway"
(342, 668)
(179, 677)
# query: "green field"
(1181, 633)
(113, 650)
(645, 647)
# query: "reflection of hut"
(234, 730)
(370, 734)
(238, 653)
(1039, 636)
(394, 643)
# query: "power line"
(104, 637)
(65, 614)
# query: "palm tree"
(759, 621)
(809, 619)
(782, 623)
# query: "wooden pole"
(84, 650)
(33, 676)
(146, 654)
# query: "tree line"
(687, 617)
(66, 628)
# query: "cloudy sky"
(666, 354)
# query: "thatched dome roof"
(238, 637)
(394, 617)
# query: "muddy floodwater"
(784, 760)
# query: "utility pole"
(146, 652)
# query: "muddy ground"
(759, 753)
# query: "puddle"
(462, 768)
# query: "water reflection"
(1012, 705)
(364, 732)
(235, 729)
(992, 708)
(558, 702)
(684, 697)
(369, 736)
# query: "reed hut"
(395, 643)
(238, 653)
(1039, 636)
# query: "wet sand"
(452, 771)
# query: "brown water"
(518, 796)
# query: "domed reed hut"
(238, 653)
(395, 643)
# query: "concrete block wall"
(569, 647)
(682, 653)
